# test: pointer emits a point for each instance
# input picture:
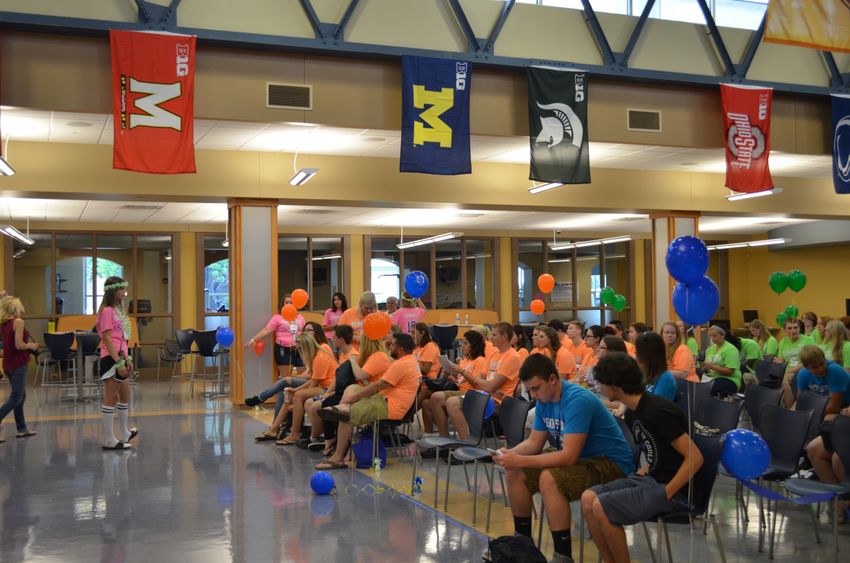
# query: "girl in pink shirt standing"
(286, 354)
(333, 314)
(412, 311)
(115, 329)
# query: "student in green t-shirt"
(688, 337)
(750, 353)
(835, 345)
(722, 363)
(768, 344)
(810, 326)
(789, 353)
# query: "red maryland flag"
(746, 117)
(153, 88)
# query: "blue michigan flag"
(435, 116)
(841, 144)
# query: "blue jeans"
(277, 389)
(15, 402)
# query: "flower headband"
(116, 285)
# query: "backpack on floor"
(509, 549)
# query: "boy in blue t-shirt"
(588, 448)
(827, 379)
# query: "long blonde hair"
(308, 348)
(369, 347)
(835, 336)
(764, 334)
(11, 307)
(670, 350)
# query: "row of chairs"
(59, 352)
(192, 344)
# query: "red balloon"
(374, 326)
(299, 298)
(289, 312)
(546, 283)
(259, 346)
(538, 306)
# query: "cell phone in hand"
(494, 452)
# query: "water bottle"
(457, 318)
(466, 319)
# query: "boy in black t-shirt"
(659, 487)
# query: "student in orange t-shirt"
(592, 338)
(520, 343)
(321, 367)
(474, 363)
(355, 315)
(427, 352)
(574, 341)
(388, 398)
(546, 342)
(618, 329)
(489, 349)
(680, 359)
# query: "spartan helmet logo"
(842, 155)
(563, 123)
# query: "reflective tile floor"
(197, 488)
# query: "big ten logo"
(461, 71)
(763, 103)
(579, 87)
(183, 60)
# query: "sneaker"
(252, 401)
(302, 443)
(316, 445)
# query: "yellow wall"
(186, 303)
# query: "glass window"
(588, 280)
(680, 10)
(563, 3)
(328, 270)
(448, 282)
(611, 6)
(34, 280)
(216, 275)
(114, 258)
(384, 267)
(154, 274)
(561, 268)
(479, 274)
(529, 268)
(74, 271)
(745, 14)
(419, 258)
(617, 267)
(291, 265)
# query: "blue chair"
(689, 395)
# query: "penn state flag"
(435, 116)
(557, 126)
(841, 144)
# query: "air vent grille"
(289, 96)
(644, 120)
(316, 211)
(141, 207)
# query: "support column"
(667, 226)
(252, 234)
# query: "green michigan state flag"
(557, 126)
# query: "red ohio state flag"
(746, 118)
(153, 88)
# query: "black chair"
(690, 394)
(803, 487)
(755, 398)
(58, 351)
(87, 347)
(208, 347)
(711, 448)
(169, 353)
(474, 406)
(185, 339)
(770, 374)
(718, 415)
(445, 336)
(785, 432)
(808, 401)
(512, 416)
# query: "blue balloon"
(696, 303)
(745, 454)
(687, 259)
(491, 406)
(322, 483)
(416, 284)
(224, 336)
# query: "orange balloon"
(374, 326)
(299, 298)
(538, 306)
(546, 283)
(259, 346)
(289, 312)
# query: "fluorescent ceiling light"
(168, 257)
(429, 240)
(738, 197)
(544, 187)
(5, 168)
(225, 243)
(11, 231)
(588, 243)
(328, 257)
(20, 252)
(303, 176)
(730, 246)
(616, 240)
(765, 242)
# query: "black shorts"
(106, 364)
(287, 356)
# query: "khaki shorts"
(450, 394)
(574, 480)
(369, 410)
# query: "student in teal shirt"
(651, 356)
(760, 333)
(722, 363)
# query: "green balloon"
(791, 311)
(619, 302)
(606, 295)
(780, 318)
(796, 280)
(778, 282)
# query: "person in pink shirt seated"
(333, 314)
(285, 352)
(412, 311)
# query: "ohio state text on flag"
(841, 143)
(435, 116)
(557, 126)
(819, 24)
(746, 117)
(153, 88)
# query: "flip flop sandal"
(285, 442)
(26, 434)
(133, 433)
(265, 437)
(119, 447)
(331, 465)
